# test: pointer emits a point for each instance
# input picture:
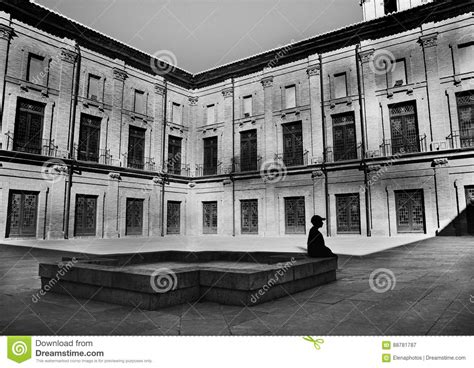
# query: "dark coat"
(316, 246)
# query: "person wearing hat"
(316, 246)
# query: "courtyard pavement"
(431, 293)
(350, 245)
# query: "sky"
(201, 34)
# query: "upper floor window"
(247, 106)
(93, 88)
(136, 147)
(398, 73)
(89, 138)
(211, 114)
(344, 137)
(290, 97)
(340, 85)
(177, 112)
(36, 73)
(139, 102)
(390, 6)
(404, 128)
(28, 127)
(466, 55)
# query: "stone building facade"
(370, 126)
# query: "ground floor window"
(295, 222)
(348, 213)
(85, 215)
(209, 217)
(249, 216)
(22, 214)
(470, 209)
(410, 211)
(134, 216)
(173, 217)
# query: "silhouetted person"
(316, 246)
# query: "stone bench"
(233, 278)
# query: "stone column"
(6, 34)
(61, 131)
(373, 119)
(193, 141)
(112, 204)
(314, 76)
(227, 141)
(319, 196)
(439, 128)
(158, 125)
(444, 192)
(269, 140)
(116, 129)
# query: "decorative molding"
(120, 74)
(115, 176)
(440, 162)
(314, 70)
(193, 100)
(6, 32)
(191, 184)
(226, 181)
(373, 168)
(227, 92)
(317, 174)
(429, 40)
(160, 89)
(366, 56)
(157, 180)
(68, 56)
(267, 82)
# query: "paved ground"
(340, 245)
(433, 294)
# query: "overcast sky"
(201, 34)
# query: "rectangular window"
(398, 73)
(36, 72)
(404, 128)
(177, 113)
(22, 214)
(174, 154)
(134, 217)
(247, 105)
(139, 102)
(344, 137)
(465, 57)
(136, 148)
(293, 144)
(465, 102)
(28, 127)
(290, 97)
(93, 91)
(85, 215)
(209, 217)
(348, 213)
(173, 217)
(249, 216)
(410, 211)
(89, 138)
(211, 114)
(340, 85)
(210, 156)
(248, 150)
(295, 215)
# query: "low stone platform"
(159, 279)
